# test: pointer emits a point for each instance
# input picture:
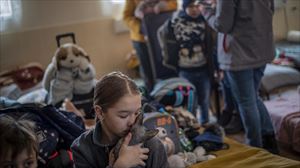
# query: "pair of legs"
(230, 118)
(229, 104)
(200, 79)
(244, 85)
(145, 63)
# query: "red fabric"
(25, 77)
(224, 44)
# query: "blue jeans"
(229, 104)
(255, 117)
(145, 63)
(200, 80)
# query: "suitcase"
(150, 25)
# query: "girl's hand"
(131, 156)
(211, 4)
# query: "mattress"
(284, 109)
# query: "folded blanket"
(285, 115)
(290, 131)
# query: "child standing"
(187, 44)
(19, 146)
(117, 102)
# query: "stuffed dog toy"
(70, 72)
(186, 159)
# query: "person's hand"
(202, 9)
(219, 75)
(207, 4)
(156, 9)
(139, 15)
(162, 5)
(213, 3)
(131, 156)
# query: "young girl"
(18, 143)
(117, 102)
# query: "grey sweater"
(88, 152)
(248, 25)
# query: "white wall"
(30, 34)
(31, 37)
(35, 14)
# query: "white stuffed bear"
(70, 72)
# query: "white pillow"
(293, 36)
(276, 76)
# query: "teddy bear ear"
(55, 59)
(81, 51)
(55, 62)
(87, 57)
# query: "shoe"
(235, 125)
(270, 143)
(225, 118)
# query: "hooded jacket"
(88, 152)
(245, 38)
(171, 47)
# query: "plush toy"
(185, 118)
(167, 142)
(212, 138)
(70, 72)
(182, 160)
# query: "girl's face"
(193, 10)
(23, 160)
(119, 118)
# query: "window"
(118, 1)
(5, 8)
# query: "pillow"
(36, 96)
(293, 36)
(277, 76)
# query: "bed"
(284, 109)
(281, 89)
(242, 156)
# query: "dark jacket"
(55, 129)
(88, 152)
(249, 33)
(170, 46)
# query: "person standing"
(134, 24)
(245, 46)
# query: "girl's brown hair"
(15, 136)
(111, 87)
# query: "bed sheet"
(284, 109)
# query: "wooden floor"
(284, 150)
